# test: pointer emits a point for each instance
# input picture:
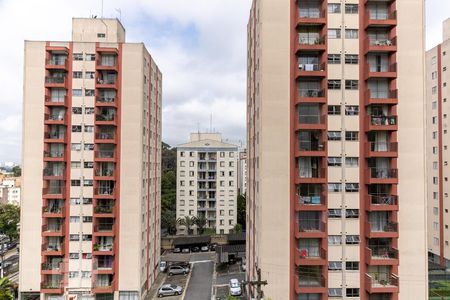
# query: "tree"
(17, 171)
(6, 288)
(237, 228)
(187, 222)
(9, 218)
(169, 221)
(168, 188)
(241, 207)
(201, 223)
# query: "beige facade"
(91, 166)
(335, 206)
(437, 111)
(207, 181)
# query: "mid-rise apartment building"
(207, 182)
(437, 112)
(90, 219)
(242, 172)
(336, 168)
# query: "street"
(199, 287)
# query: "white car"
(235, 287)
(170, 290)
(162, 266)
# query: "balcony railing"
(103, 247)
(381, 42)
(52, 209)
(53, 228)
(55, 80)
(383, 173)
(311, 200)
(381, 280)
(310, 13)
(104, 154)
(311, 40)
(52, 247)
(108, 191)
(55, 135)
(382, 252)
(54, 172)
(311, 93)
(306, 225)
(380, 15)
(107, 81)
(105, 99)
(53, 190)
(383, 199)
(52, 265)
(307, 280)
(105, 135)
(52, 285)
(383, 120)
(382, 94)
(311, 67)
(383, 226)
(104, 172)
(106, 227)
(104, 118)
(383, 146)
(55, 117)
(103, 209)
(379, 68)
(311, 173)
(312, 252)
(311, 146)
(311, 119)
(54, 154)
(56, 61)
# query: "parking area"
(162, 278)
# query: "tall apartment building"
(336, 189)
(242, 172)
(90, 220)
(437, 110)
(207, 181)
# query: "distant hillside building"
(207, 181)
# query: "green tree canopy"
(9, 219)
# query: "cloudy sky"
(200, 46)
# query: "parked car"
(169, 290)
(177, 270)
(162, 266)
(195, 249)
(204, 248)
(212, 247)
(235, 287)
(186, 250)
(176, 250)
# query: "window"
(74, 237)
(75, 165)
(434, 105)
(182, 153)
(351, 8)
(351, 59)
(351, 135)
(89, 93)
(334, 240)
(89, 147)
(334, 8)
(75, 201)
(74, 219)
(78, 56)
(334, 161)
(101, 35)
(334, 59)
(87, 237)
(433, 60)
(435, 180)
(88, 182)
(87, 200)
(75, 183)
(436, 241)
(77, 92)
(128, 296)
(334, 135)
(76, 147)
(351, 213)
(76, 128)
(334, 292)
(222, 154)
(433, 75)
(351, 161)
(334, 84)
(87, 255)
(334, 33)
(352, 265)
(334, 109)
(89, 75)
(351, 84)
(352, 239)
(90, 57)
(89, 110)
(434, 135)
(435, 195)
(88, 128)
(77, 110)
(435, 211)
(434, 120)
(191, 164)
(434, 90)
(352, 187)
(85, 274)
(353, 292)
(351, 110)
(231, 154)
(334, 265)
(334, 187)
(74, 274)
(335, 213)
(77, 74)
(435, 225)
(351, 33)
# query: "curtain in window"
(378, 220)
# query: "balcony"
(381, 229)
(106, 101)
(311, 96)
(104, 192)
(104, 228)
(52, 287)
(107, 62)
(380, 18)
(105, 155)
(55, 137)
(53, 211)
(104, 211)
(312, 121)
(311, 203)
(381, 123)
(50, 173)
(382, 203)
(106, 82)
(381, 256)
(384, 45)
(102, 249)
(311, 16)
(311, 175)
(105, 173)
(49, 249)
(311, 228)
(53, 229)
(103, 286)
(312, 256)
(381, 71)
(56, 82)
(311, 42)
(311, 148)
(311, 70)
(105, 138)
(103, 265)
(310, 284)
(57, 63)
(381, 176)
(105, 118)
(56, 267)
(55, 101)
(54, 155)
(381, 283)
(55, 192)
(388, 97)
(381, 149)
(55, 119)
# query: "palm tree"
(201, 223)
(6, 288)
(186, 222)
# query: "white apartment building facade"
(90, 210)
(207, 181)
(242, 172)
